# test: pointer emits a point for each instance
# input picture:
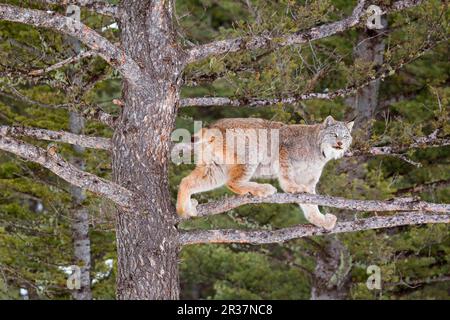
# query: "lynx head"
(335, 138)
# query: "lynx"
(301, 154)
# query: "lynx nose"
(339, 143)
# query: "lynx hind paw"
(330, 222)
(188, 211)
(194, 204)
(264, 190)
(192, 210)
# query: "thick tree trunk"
(147, 238)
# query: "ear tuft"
(350, 125)
(328, 121)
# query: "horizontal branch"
(417, 282)
(97, 6)
(262, 42)
(429, 141)
(307, 230)
(52, 161)
(63, 63)
(108, 51)
(255, 102)
(57, 136)
(398, 204)
(425, 187)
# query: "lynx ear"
(328, 121)
(350, 125)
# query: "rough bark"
(147, 239)
(307, 230)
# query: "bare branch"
(52, 161)
(99, 115)
(425, 187)
(255, 102)
(399, 204)
(58, 136)
(307, 230)
(417, 283)
(62, 63)
(98, 6)
(405, 4)
(406, 159)
(261, 42)
(430, 141)
(112, 54)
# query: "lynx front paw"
(329, 222)
(194, 204)
(264, 190)
(294, 189)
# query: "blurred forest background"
(40, 215)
